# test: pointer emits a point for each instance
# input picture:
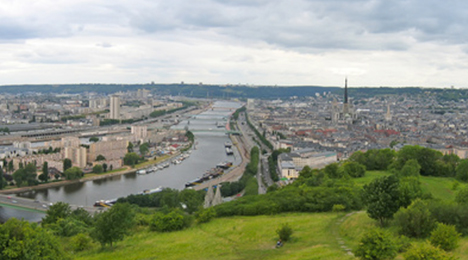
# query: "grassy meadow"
(316, 235)
(233, 238)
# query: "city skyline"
(374, 43)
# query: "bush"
(462, 171)
(376, 244)
(338, 208)
(426, 251)
(415, 221)
(98, 168)
(173, 221)
(142, 219)
(445, 237)
(451, 214)
(403, 243)
(353, 169)
(284, 232)
(461, 196)
(205, 215)
(81, 242)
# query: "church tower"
(345, 101)
(388, 116)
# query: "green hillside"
(234, 238)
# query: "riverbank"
(236, 172)
(121, 171)
(117, 172)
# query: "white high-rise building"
(114, 107)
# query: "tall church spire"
(346, 91)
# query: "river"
(209, 151)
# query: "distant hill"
(230, 91)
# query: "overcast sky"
(260, 42)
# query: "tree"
(406, 153)
(113, 225)
(73, 173)
(332, 170)
(382, 198)
(445, 237)
(462, 170)
(192, 199)
(67, 164)
(11, 167)
(144, 149)
(411, 168)
(130, 147)
(358, 157)
(58, 210)
(410, 189)
(100, 158)
(378, 159)
(131, 159)
(423, 251)
(104, 167)
(94, 139)
(98, 168)
(3, 182)
(376, 244)
(415, 221)
(20, 239)
(428, 159)
(45, 171)
(451, 160)
(25, 176)
(353, 169)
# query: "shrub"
(445, 237)
(173, 221)
(403, 243)
(426, 251)
(338, 208)
(142, 219)
(462, 171)
(451, 214)
(415, 221)
(205, 215)
(376, 244)
(81, 242)
(284, 232)
(353, 169)
(461, 196)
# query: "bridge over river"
(36, 205)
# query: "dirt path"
(336, 233)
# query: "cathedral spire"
(346, 91)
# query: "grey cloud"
(299, 24)
(15, 32)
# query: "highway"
(35, 205)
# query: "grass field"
(316, 235)
(234, 238)
(439, 187)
